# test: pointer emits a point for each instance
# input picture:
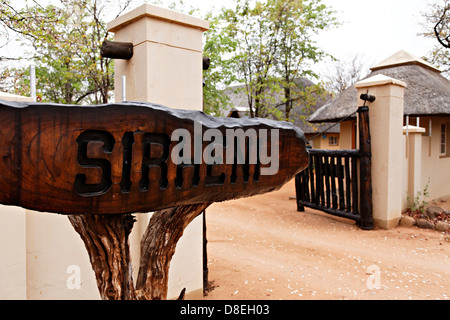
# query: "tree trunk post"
(106, 240)
(366, 222)
(158, 247)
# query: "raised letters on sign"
(138, 157)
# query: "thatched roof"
(238, 101)
(427, 92)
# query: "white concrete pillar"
(386, 129)
(36, 251)
(414, 153)
(166, 68)
(13, 280)
(57, 263)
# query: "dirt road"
(262, 248)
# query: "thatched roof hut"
(427, 92)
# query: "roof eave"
(333, 120)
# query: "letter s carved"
(83, 140)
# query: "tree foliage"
(437, 26)
(268, 45)
(441, 28)
(64, 39)
(264, 45)
(217, 45)
(299, 22)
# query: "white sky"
(375, 29)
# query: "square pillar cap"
(148, 10)
(413, 129)
(379, 80)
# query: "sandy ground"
(262, 248)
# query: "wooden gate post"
(366, 222)
(298, 191)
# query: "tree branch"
(106, 240)
(438, 30)
(158, 247)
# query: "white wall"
(434, 170)
(41, 255)
(12, 253)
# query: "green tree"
(65, 41)
(217, 45)
(256, 33)
(268, 45)
(299, 21)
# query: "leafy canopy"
(63, 40)
(265, 47)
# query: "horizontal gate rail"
(330, 183)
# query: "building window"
(333, 141)
(443, 145)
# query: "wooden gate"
(339, 182)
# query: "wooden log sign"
(138, 157)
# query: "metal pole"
(124, 88)
(33, 82)
(429, 127)
(429, 138)
(205, 255)
(407, 137)
(407, 125)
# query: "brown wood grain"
(106, 241)
(365, 183)
(117, 50)
(110, 159)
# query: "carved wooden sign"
(138, 157)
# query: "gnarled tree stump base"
(106, 240)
